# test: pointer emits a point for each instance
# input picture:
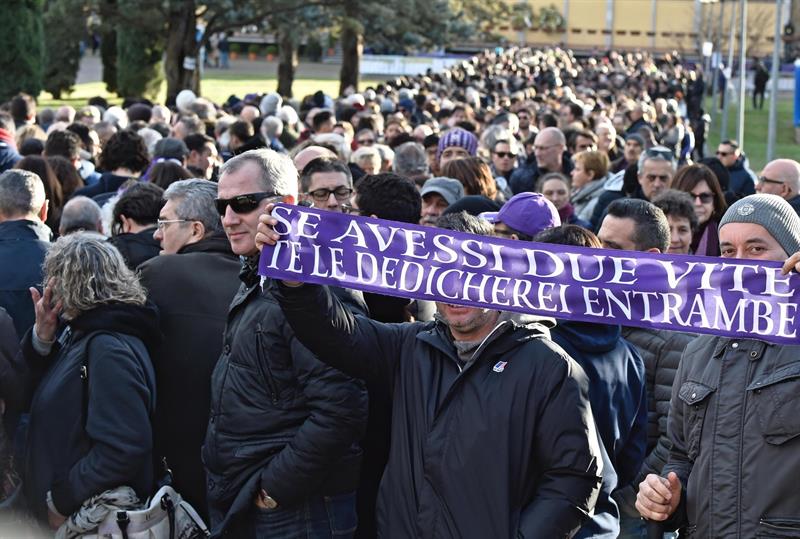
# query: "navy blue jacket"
(617, 393)
(8, 157)
(23, 245)
(743, 181)
(524, 178)
(81, 444)
(501, 447)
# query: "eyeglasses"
(365, 142)
(723, 154)
(162, 223)
(704, 198)
(242, 203)
(502, 155)
(321, 195)
(350, 210)
(764, 179)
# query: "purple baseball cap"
(529, 213)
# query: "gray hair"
(656, 153)
(272, 127)
(87, 272)
(410, 159)
(21, 193)
(278, 173)
(79, 214)
(194, 201)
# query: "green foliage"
(254, 48)
(235, 47)
(63, 20)
(272, 49)
(139, 69)
(21, 48)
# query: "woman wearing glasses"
(709, 205)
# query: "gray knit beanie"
(773, 213)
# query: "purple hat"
(458, 137)
(529, 213)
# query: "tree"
(21, 48)
(62, 18)
(139, 70)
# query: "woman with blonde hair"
(93, 385)
(588, 181)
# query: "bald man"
(308, 154)
(782, 177)
(249, 113)
(549, 155)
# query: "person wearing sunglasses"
(709, 205)
(281, 449)
(326, 184)
(782, 177)
(743, 180)
(505, 155)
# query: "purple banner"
(734, 298)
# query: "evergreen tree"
(63, 30)
(21, 48)
(139, 69)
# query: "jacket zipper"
(263, 362)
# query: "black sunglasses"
(242, 203)
(505, 154)
(705, 198)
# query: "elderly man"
(743, 180)
(80, 214)
(656, 169)
(24, 240)
(549, 155)
(782, 177)
(281, 452)
(734, 418)
(326, 184)
(192, 283)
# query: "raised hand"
(46, 312)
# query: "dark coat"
(192, 290)
(499, 448)
(23, 245)
(525, 177)
(619, 400)
(280, 419)
(795, 204)
(8, 156)
(743, 181)
(77, 448)
(108, 183)
(137, 248)
(734, 425)
(10, 380)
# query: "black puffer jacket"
(280, 419)
(77, 454)
(503, 447)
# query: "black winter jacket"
(525, 177)
(192, 290)
(77, 448)
(506, 448)
(23, 245)
(280, 419)
(137, 248)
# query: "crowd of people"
(136, 335)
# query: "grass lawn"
(755, 131)
(216, 86)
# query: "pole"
(773, 101)
(715, 82)
(742, 75)
(731, 40)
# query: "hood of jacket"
(137, 321)
(589, 337)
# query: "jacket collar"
(25, 229)
(216, 242)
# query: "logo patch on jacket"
(500, 366)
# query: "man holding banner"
(492, 432)
(734, 422)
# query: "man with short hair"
(742, 179)
(437, 195)
(203, 157)
(411, 162)
(24, 240)
(505, 154)
(782, 177)
(64, 144)
(326, 184)
(23, 110)
(188, 124)
(568, 114)
(733, 418)
(634, 147)
(323, 122)
(80, 214)
(280, 452)
(549, 155)
(637, 225)
(192, 282)
(656, 170)
(583, 141)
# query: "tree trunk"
(287, 60)
(181, 46)
(352, 47)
